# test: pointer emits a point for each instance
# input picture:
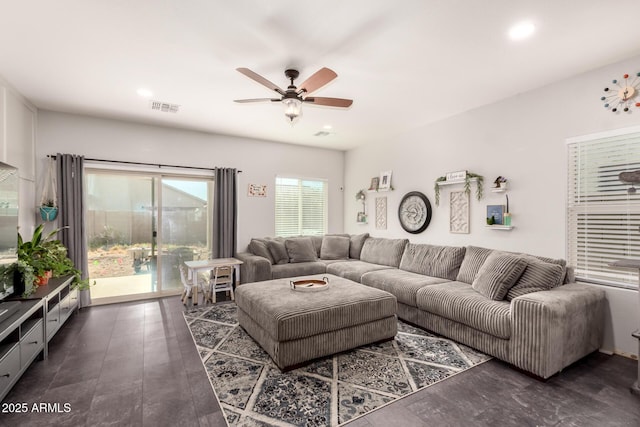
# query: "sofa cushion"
(259, 247)
(297, 269)
(383, 251)
(335, 247)
(436, 261)
(498, 274)
(474, 257)
(402, 284)
(458, 301)
(537, 276)
(300, 249)
(353, 269)
(357, 242)
(278, 251)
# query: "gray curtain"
(225, 213)
(70, 169)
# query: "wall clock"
(623, 95)
(414, 212)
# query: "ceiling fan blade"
(331, 102)
(258, 78)
(243, 101)
(317, 80)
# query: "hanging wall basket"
(48, 205)
(48, 213)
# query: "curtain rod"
(160, 165)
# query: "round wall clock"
(414, 212)
(623, 95)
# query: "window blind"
(603, 213)
(301, 206)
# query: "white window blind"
(301, 206)
(603, 212)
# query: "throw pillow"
(430, 260)
(498, 274)
(259, 247)
(278, 251)
(474, 257)
(537, 276)
(300, 249)
(356, 244)
(335, 247)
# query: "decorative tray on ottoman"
(310, 285)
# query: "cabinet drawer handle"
(53, 320)
(5, 376)
(33, 342)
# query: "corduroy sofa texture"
(523, 309)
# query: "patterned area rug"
(328, 392)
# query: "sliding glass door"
(140, 227)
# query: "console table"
(26, 333)
(635, 264)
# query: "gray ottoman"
(295, 327)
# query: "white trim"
(604, 134)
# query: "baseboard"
(619, 353)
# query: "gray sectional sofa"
(522, 309)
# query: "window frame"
(573, 209)
(325, 202)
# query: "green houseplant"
(44, 256)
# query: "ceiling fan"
(293, 97)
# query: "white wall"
(522, 138)
(260, 161)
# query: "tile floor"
(134, 364)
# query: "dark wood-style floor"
(135, 364)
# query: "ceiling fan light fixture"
(292, 109)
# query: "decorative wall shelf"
(498, 190)
(379, 191)
(460, 181)
(501, 227)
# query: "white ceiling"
(404, 62)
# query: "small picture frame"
(375, 181)
(361, 218)
(495, 214)
(456, 176)
(257, 190)
(385, 181)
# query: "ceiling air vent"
(165, 107)
(322, 133)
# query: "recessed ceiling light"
(521, 30)
(145, 93)
(327, 127)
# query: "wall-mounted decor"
(375, 183)
(361, 218)
(361, 197)
(469, 177)
(381, 213)
(456, 176)
(500, 183)
(621, 96)
(495, 214)
(257, 190)
(414, 212)
(385, 181)
(459, 212)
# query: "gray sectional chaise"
(519, 308)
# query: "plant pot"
(42, 280)
(48, 213)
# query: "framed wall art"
(257, 190)
(459, 212)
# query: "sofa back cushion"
(278, 251)
(434, 261)
(357, 242)
(383, 251)
(335, 247)
(537, 276)
(474, 257)
(498, 274)
(300, 249)
(259, 247)
(317, 244)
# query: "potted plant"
(48, 210)
(500, 182)
(44, 257)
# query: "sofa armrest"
(552, 329)
(254, 268)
